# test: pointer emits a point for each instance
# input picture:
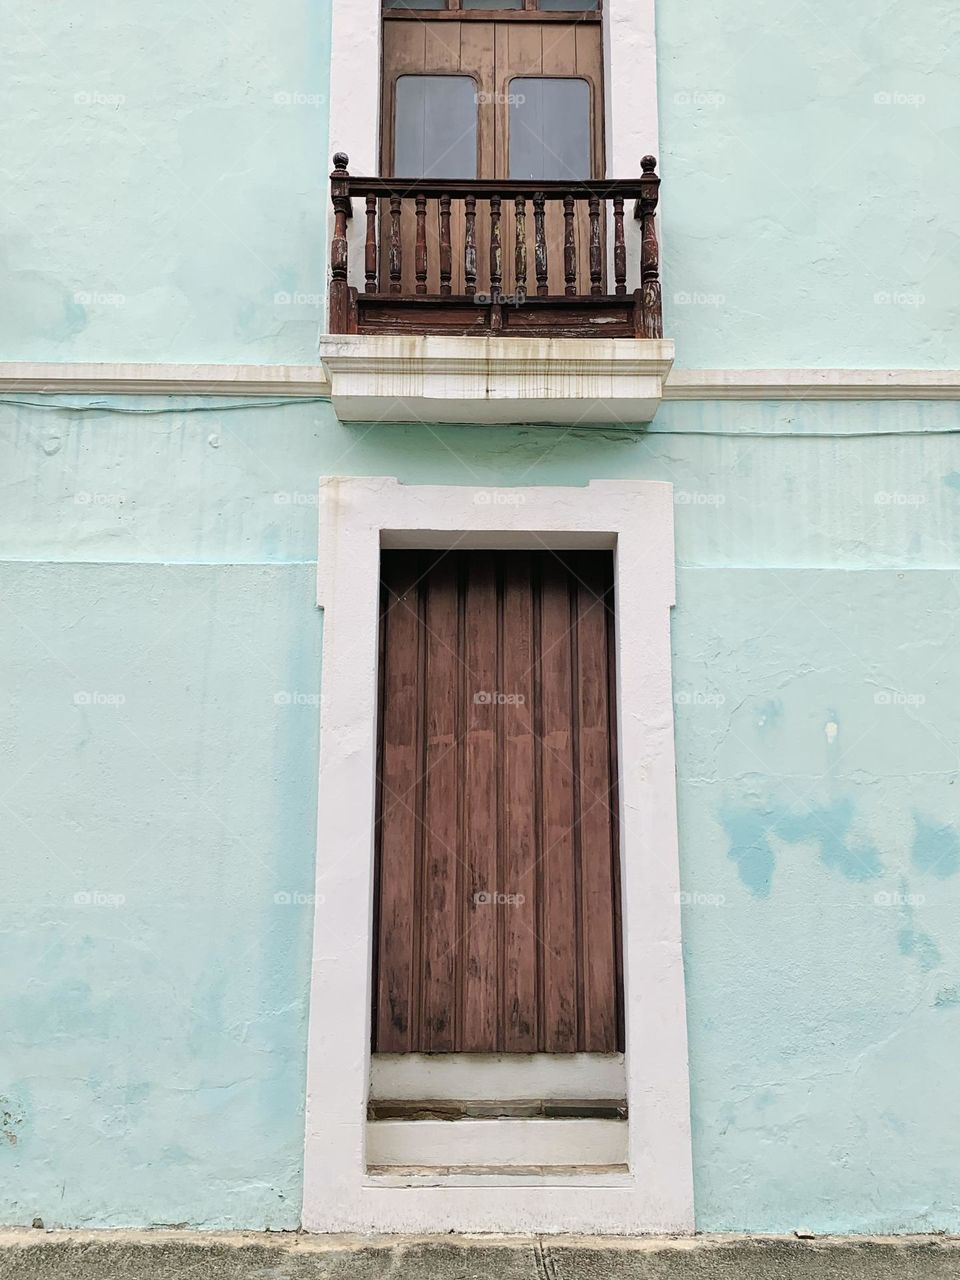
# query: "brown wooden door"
(498, 920)
(502, 59)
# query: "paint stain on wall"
(828, 827)
(748, 831)
(952, 480)
(915, 942)
(936, 850)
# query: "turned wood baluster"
(596, 266)
(496, 249)
(470, 246)
(420, 257)
(520, 265)
(370, 261)
(540, 245)
(650, 251)
(446, 255)
(619, 246)
(339, 288)
(569, 248)
(396, 246)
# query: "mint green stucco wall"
(164, 180)
(165, 199)
(154, 1049)
(166, 196)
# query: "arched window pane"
(549, 128)
(435, 127)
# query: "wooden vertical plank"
(557, 852)
(479, 1031)
(399, 774)
(439, 913)
(599, 1031)
(518, 825)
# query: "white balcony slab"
(566, 381)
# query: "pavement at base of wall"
(187, 1255)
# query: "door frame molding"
(358, 516)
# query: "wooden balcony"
(454, 258)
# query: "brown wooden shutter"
(498, 921)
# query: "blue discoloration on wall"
(953, 480)
(936, 850)
(828, 827)
(948, 998)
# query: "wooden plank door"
(498, 900)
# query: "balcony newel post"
(340, 309)
(651, 301)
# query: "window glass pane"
(491, 4)
(415, 4)
(549, 128)
(568, 6)
(436, 127)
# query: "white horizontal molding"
(813, 384)
(310, 381)
(163, 379)
(495, 380)
(431, 1144)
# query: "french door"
(492, 99)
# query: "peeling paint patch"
(947, 998)
(936, 850)
(12, 1117)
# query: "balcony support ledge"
(562, 381)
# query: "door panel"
(497, 846)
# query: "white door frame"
(358, 516)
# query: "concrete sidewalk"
(176, 1255)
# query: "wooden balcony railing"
(454, 257)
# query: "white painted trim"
(358, 515)
(496, 1143)
(164, 379)
(579, 381)
(279, 380)
(519, 1077)
(813, 384)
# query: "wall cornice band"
(308, 381)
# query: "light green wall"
(155, 1070)
(165, 180)
(811, 173)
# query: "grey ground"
(121, 1255)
